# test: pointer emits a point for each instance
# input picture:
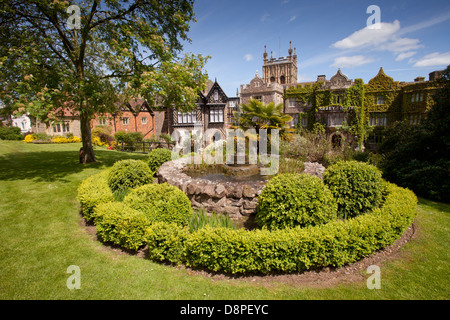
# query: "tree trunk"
(87, 151)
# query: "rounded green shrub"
(157, 157)
(166, 241)
(161, 202)
(290, 200)
(121, 225)
(129, 174)
(357, 187)
(92, 192)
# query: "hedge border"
(262, 251)
(289, 250)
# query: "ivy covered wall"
(382, 95)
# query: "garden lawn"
(41, 235)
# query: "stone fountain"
(231, 189)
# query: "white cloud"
(369, 36)
(427, 23)
(405, 55)
(248, 57)
(265, 17)
(384, 38)
(351, 61)
(292, 18)
(434, 59)
(400, 45)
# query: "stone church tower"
(282, 70)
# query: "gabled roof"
(222, 94)
(339, 75)
(135, 106)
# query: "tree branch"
(117, 16)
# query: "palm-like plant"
(256, 115)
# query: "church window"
(282, 79)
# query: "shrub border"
(289, 250)
(262, 251)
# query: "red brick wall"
(134, 124)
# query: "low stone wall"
(237, 199)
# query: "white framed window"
(291, 102)
(125, 121)
(414, 119)
(378, 119)
(335, 119)
(417, 97)
(216, 115)
(102, 121)
(61, 127)
(187, 117)
(144, 120)
(259, 98)
(379, 100)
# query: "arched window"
(272, 79)
(282, 79)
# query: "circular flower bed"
(297, 247)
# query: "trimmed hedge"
(157, 157)
(94, 191)
(356, 186)
(161, 202)
(119, 224)
(289, 250)
(129, 174)
(166, 242)
(290, 200)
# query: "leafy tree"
(418, 157)
(256, 115)
(87, 57)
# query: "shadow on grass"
(54, 165)
(441, 206)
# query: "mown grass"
(41, 236)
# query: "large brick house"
(331, 101)
(133, 116)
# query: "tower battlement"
(282, 70)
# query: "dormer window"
(216, 95)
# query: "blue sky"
(412, 40)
